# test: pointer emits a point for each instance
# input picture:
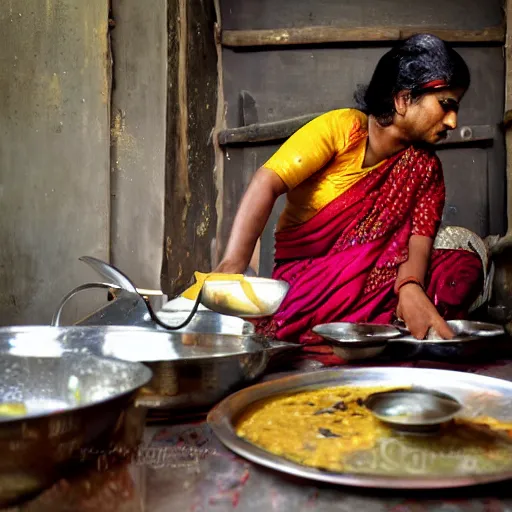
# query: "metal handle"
(110, 273)
(87, 286)
(185, 322)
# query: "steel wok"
(191, 371)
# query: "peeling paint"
(168, 246)
(54, 92)
(125, 142)
(49, 12)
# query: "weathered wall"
(139, 48)
(54, 152)
(190, 216)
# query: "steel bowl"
(367, 334)
(356, 341)
(191, 371)
(394, 463)
(73, 402)
(413, 410)
(472, 339)
(229, 297)
(352, 351)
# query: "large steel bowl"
(191, 371)
(73, 402)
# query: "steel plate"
(384, 466)
(364, 334)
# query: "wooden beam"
(264, 132)
(486, 35)
(190, 215)
(328, 35)
(508, 108)
(217, 248)
(277, 131)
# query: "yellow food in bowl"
(13, 409)
(226, 300)
(223, 297)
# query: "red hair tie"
(435, 84)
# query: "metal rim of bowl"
(349, 340)
(146, 376)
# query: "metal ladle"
(131, 307)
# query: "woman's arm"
(301, 156)
(414, 306)
(250, 220)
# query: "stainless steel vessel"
(398, 462)
(365, 341)
(73, 401)
(190, 370)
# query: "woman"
(365, 196)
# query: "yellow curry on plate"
(331, 429)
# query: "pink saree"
(342, 263)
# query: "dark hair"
(411, 65)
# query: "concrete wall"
(82, 151)
(139, 48)
(54, 153)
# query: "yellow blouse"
(319, 162)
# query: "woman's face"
(430, 117)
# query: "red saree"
(342, 263)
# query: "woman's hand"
(419, 314)
(229, 267)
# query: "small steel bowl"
(354, 341)
(413, 410)
(229, 298)
(362, 332)
(472, 339)
(352, 350)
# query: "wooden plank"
(172, 194)
(280, 130)
(508, 107)
(328, 35)
(220, 124)
(264, 132)
(190, 216)
(486, 35)
(269, 14)
(306, 35)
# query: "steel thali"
(406, 462)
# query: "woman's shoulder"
(426, 160)
(425, 154)
(348, 116)
(347, 124)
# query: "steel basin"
(204, 321)
(75, 401)
(191, 371)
